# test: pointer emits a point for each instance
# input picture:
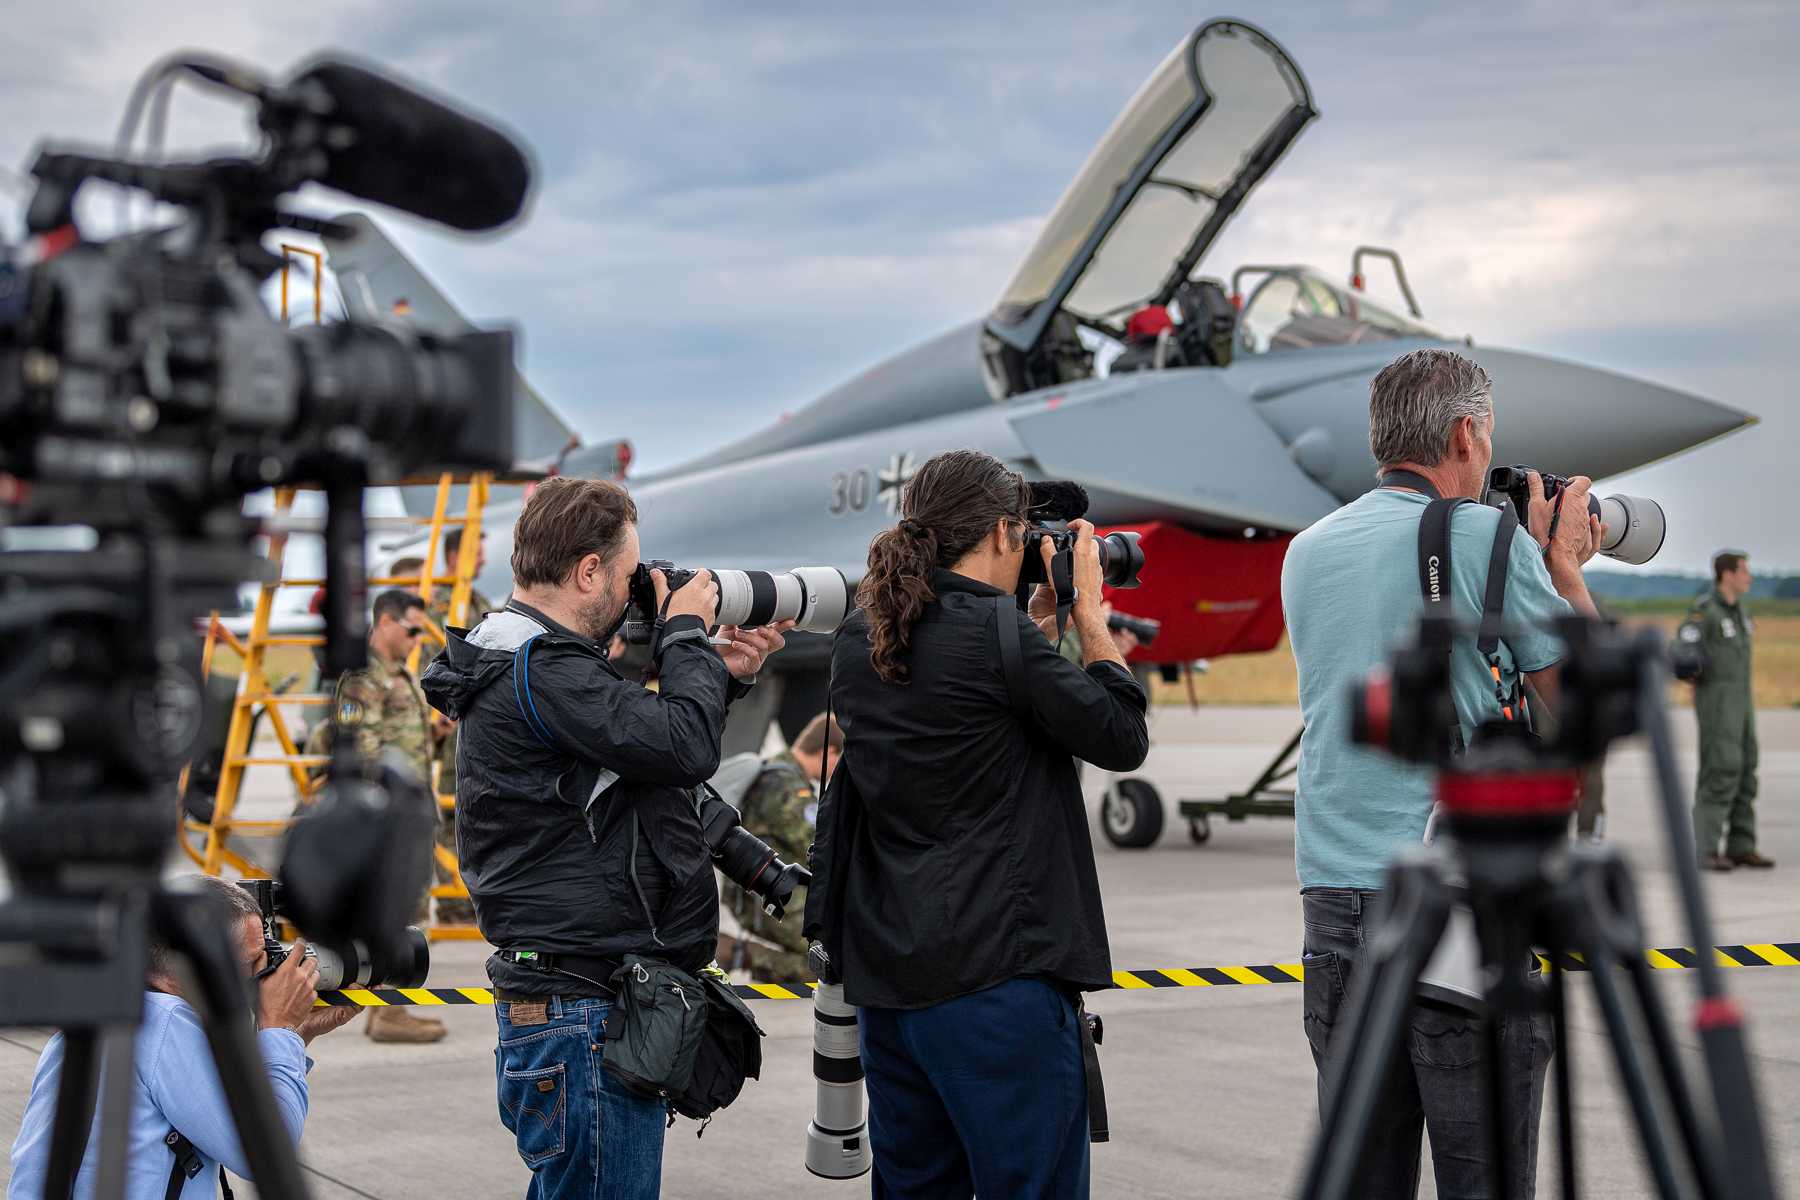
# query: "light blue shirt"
(1350, 593)
(177, 1087)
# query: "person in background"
(1718, 633)
(380, 707)
(782, 806)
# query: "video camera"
(1054, 503)
(145, 390)
(351, 964)
(1635, 526)
(816, 598)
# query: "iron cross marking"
(899, 469)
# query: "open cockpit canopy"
(1177, 163)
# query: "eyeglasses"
(413, 630)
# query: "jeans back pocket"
(534, 1105)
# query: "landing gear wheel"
(1131, 814)
(1199, 830)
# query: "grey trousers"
(1438, 1085)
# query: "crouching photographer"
(957, 895)
(182, 1131)
(583, 836)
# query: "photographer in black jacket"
(577, 829)
(962, 908)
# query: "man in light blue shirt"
(176, 1087)
(1350, 594)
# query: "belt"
(587, 969)
(502, 996)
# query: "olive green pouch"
(654, 1030)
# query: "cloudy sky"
(739, 206)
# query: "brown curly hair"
(947, 508)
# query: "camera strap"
(1012, 658)
(1062, 578)
(1435, 582)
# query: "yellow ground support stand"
(255, 697)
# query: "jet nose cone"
(1576, 420)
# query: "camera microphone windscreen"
(389, 144)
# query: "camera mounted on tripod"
(145, 390)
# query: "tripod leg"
(1631, 1069)
(75, 1092)
(1379, 1008)
(118, 1066)
(1565, 1078)
(1667, 1055)
(1493, 1031)
(220, 995)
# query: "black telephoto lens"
(747, 860)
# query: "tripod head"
(1408, 710)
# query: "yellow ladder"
(255, 697)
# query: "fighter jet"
(1217, 423)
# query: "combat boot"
(397, 1025)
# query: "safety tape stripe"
(1673, 958)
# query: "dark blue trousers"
(982, 1095)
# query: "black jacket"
(556, 756)
(953, 840)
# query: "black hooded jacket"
(576, 816)
(952, 851)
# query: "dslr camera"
(1635, 526)
(351, 963)
(1054, 503)
(746, 859)
(815, 598)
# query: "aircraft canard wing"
(1180, 443)
(379, 282)
(1153, 196)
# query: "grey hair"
(230, 900)
(1417, 400)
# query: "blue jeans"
(981, 1095)
(584, 1136)
(1437, 1085)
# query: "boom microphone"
(389, 144)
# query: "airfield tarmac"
(1211, 1090)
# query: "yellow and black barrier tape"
(1674, 958)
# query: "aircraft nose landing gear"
(1131, 813)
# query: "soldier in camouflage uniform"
(452, 911)
(780, 808)
(382, 707)
(1715, 641)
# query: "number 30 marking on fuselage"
(850, 491)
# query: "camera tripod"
(1511, 863)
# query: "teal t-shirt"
(1350, 593)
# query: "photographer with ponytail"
(960, 903)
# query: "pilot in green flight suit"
(1719, 629)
